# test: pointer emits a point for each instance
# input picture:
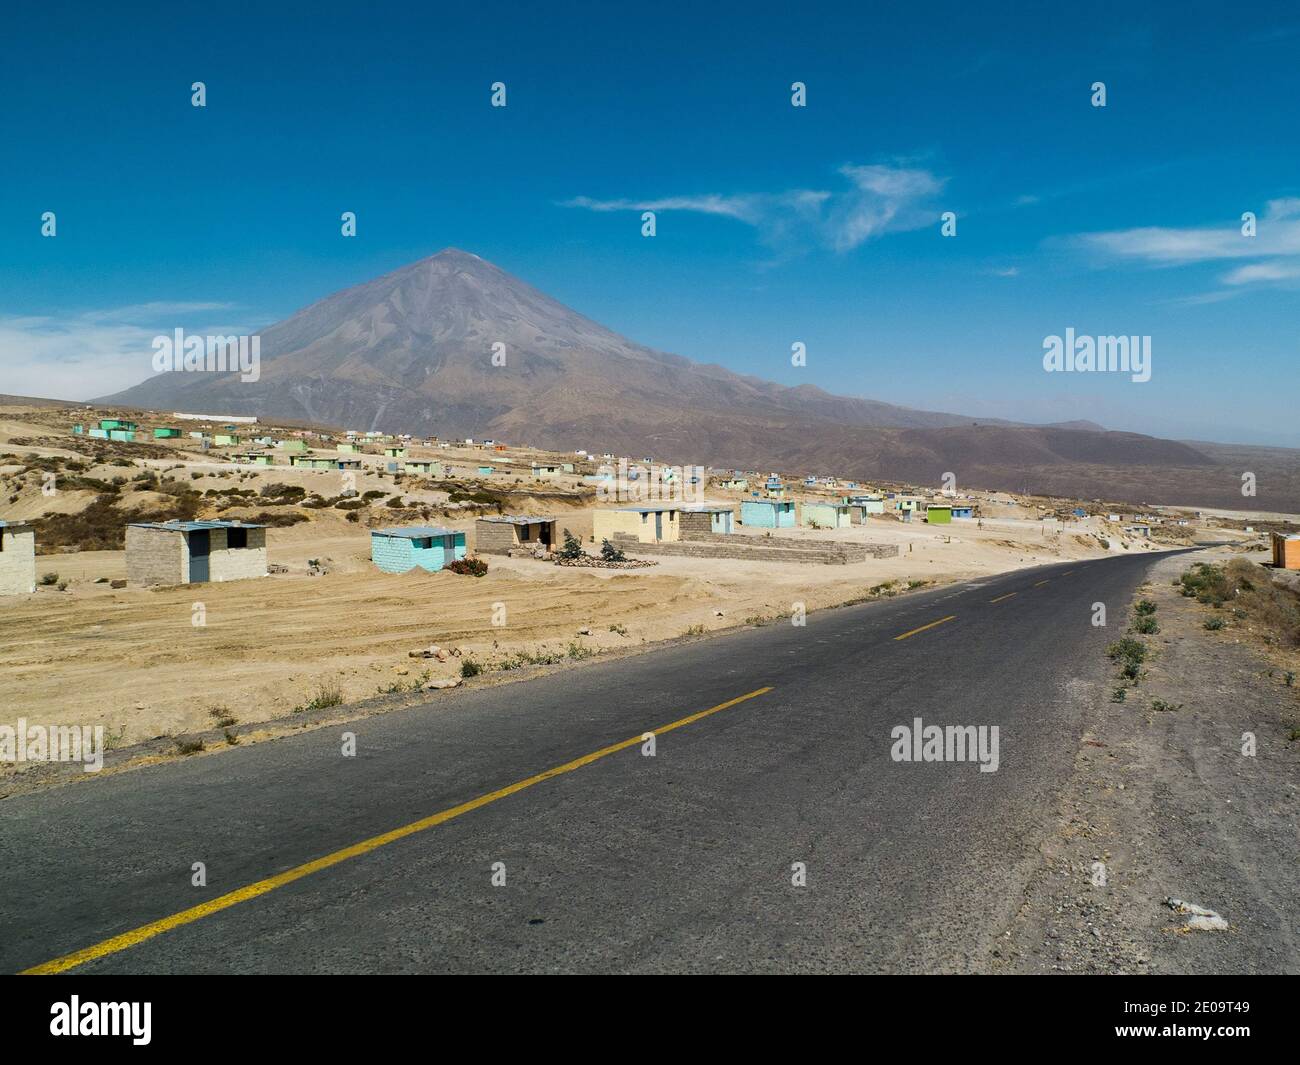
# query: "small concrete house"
(720, 521)
(963, 510)
(938, 513)
(545, 470)
(1286, 550)
(257, 458)
(501, 535)
(165, 432)
(292, 445)
(428, 467)
(348, 464)
(734, 483)
(828, 515)
(17, 558)
(648, 524)
(767, 513)
(486, 471)
(193, 552)
(395, 452)
(862, 507)
(349, 449)
(409, 547)
(312, 462)
(225, 440)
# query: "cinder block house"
(1286, 550)
(17, 558)
(720, 521)
(501, 535)
(767, 513)
(194, 552)
(408, 547)
(827, 515)
(648, 524)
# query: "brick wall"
(237, 564)
(494, 537)
(17, 561)
(155, 556)
(829, 553)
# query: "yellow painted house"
(649, 524)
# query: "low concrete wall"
(752, 549)
(17, 561)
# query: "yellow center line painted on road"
(1041, 583)
(1001, 597)
(262, 887)
(932, 624)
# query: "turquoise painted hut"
(767, 513)
(403, 549)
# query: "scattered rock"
(117, 584)
(1199, 919)
(446, 682)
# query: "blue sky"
(775, 224)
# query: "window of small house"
(236, 538)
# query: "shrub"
(1146, 625)
(470, 668)
(572, 547)
(1144, 607)
(472, 567)
(327, 695)
(610, 553)
(49, 578)
(1214, 624)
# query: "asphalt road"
(623, 863)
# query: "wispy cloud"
(94, 352)
(1274, 249)
(872, 200)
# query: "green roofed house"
(165, 432)
(409, 547)
(194, 552)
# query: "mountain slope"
(412, 351)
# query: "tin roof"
(13, 524)
(654, 508)
(414, 532)
(194, 526)
(509, 519)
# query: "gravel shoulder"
(1165, 804)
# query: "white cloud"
(1275, 248)
(92, 353)
(878, 199)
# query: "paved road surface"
(677, 862)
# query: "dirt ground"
(146, 663)
(1165, 803)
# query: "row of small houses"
(195, 552)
